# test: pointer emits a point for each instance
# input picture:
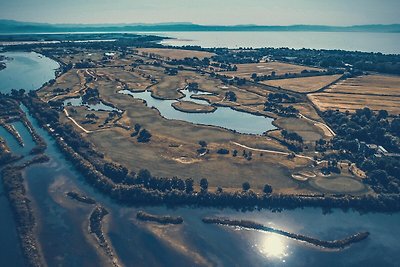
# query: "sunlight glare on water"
(273, 246)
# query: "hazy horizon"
(192, 23)
(205, 12)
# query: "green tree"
(267, 189)
(204, 184)
(246, 186)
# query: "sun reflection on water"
(273, 246)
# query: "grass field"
(174, 53)
(172, 150)
(304, 85)
(370, 84)
(266, 68)
(351, 102)
(374, 91)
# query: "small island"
(143, 216)
(81, 198)
(192, 107)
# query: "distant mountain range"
(11, 26)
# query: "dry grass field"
(368, 85)
(351, 102)
(72, 80)
(174, 53)
(266, 68)
(374, 91)
(304, 85)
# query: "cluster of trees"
(302, 74)
(223, 151)
(330, 59)
(96, 228)
(332, 167)
(171, 71)
(231, 96)
(273, 104)
(143, 135)
(229, 80)
(281, 98)
(281, 110)
(358, 136)
(292, 140)
(292, 136)
(85, 65)
(223, 66)
(193, 62)
(91, 95)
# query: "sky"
(207, 12)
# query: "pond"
(100, 106)
(224, 117)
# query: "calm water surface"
(26, 71)
(224, 117)
(387, 43)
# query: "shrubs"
(204, 184)
(137, 129)
(230, 96)
(203, 147)
(223, 151)
(144, 136)
(246, 186)
(267, 189)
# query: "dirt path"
(74, 121)
(83, 129)
(327, 130)
(270, 151)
